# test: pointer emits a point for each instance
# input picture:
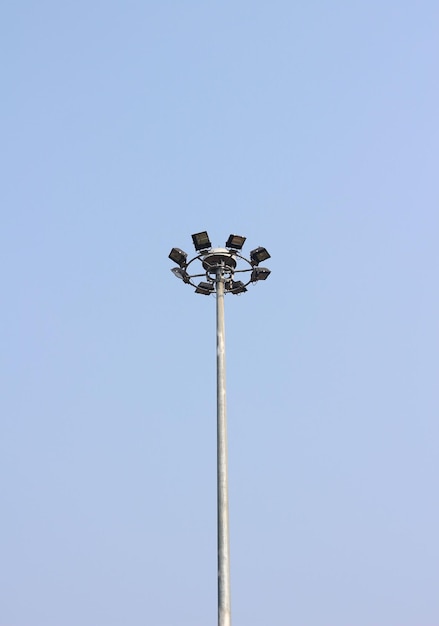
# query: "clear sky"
(311, 128)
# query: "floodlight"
(178, 256)
(235, 241)
(258, 255)
(237, 286)
(201, 241)
(180, 273)
(260, 273)
(205, 288)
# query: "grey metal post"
(224, 617)
(220, 265)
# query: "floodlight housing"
(205, 288)
(181, 273)
(201, 241)
(178, 256)
(260, 273)
(237, 286)
(235, 241)
(259, 254)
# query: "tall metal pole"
(220, 266)
(224, 618)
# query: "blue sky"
(311, 129)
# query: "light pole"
(220, 266)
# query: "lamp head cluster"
(220, 264)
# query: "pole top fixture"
(220, 264)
